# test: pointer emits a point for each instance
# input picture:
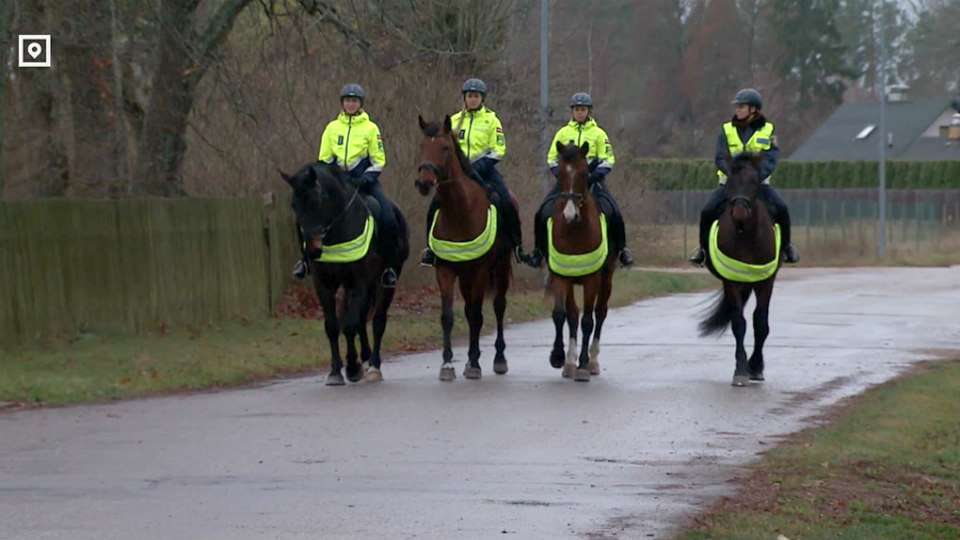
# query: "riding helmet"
(352, 90)
(581, 99)
(474, 85)
(748, 96)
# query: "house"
(917, 130)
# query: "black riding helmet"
(581, 99)
(352, 90)
(748, 96)
(474, 85)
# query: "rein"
(323, 233)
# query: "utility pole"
(544, 28)
(882, 173)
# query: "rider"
(748, 131)
(581, 128)
(480, 134)
(353, 141)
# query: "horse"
(578, 254)
(744, 253)
(338, 227)
(468, 243)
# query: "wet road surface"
(630, 454)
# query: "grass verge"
(91, 368)
(886, 466)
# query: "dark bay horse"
(744, 253)
(338, 229)
(468, 244)
(579, 254)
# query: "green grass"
(886, 467)
(90, 368)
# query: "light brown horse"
(463, 219)
(578, 255)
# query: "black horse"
(338, 226)
(743, 252)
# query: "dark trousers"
(388, 237)
(505, 207)
(717, 200)
(608, 205)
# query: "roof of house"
(837, 138)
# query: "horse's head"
(743, 184)
(318, 198)
(437, 150)
(572, 181)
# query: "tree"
(931, 64)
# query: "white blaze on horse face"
(569, 211)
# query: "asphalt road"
(630, 454)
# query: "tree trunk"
(87, 62)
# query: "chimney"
(897, 93)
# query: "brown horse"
(578, 255)
(744, 253)
(465, 245)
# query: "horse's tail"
(718, 318)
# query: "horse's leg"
(603, 298)
(358, 304)
(502, 276)
(558, 286)
(472, 289)
(573, 321)
(591, 286)
(328, 301)
(445, 280)
(738, 324)
(384, 300)
(761, 328)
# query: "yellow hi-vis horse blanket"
(735, 270)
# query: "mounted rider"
(354, 142)
(747, 131)
(480, 136)
(581, 128)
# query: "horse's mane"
(432, 129)
(742, 161)
(571, 153)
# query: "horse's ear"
(585, 148)
(560, 148)
(286, 177)
(756, 159)
(727, 160)
(423, 125)
(447, 125)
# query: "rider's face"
(472, 100)
(350, 105)
(743, 111)
(580, 113)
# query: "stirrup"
(698, 257)
(388, 279)
(427, 258)
(301, 269)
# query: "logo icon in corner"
(34, 50)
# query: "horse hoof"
(471, 372)
(582, 375)
(335, 379)
(594, 367)
(756, 376)
(447, 374)
(354, 372)
(500, 368)
(373, 375)
(568, 370)
(740, 380)
(557, 358)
